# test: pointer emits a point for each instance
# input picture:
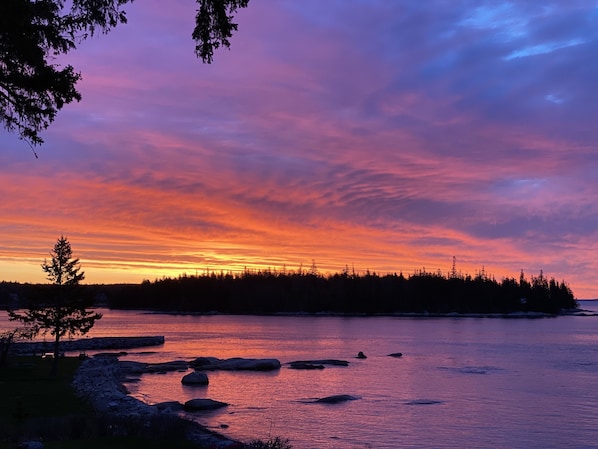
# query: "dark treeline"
(267, 292)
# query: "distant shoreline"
(344, 294)
(510, 315)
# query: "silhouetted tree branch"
(33, 32)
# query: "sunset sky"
(374, 134)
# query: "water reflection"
(461, 382)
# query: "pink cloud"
(378, 135)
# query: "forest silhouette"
(307, 291)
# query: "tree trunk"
(56, 354)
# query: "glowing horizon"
(380, 136)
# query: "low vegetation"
(38, 406)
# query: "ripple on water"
(471, 369)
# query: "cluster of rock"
(130, 371)
(134, 369)
(131, 368)
(87, 344)
(99, 380)
(321, 364)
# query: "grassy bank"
(36, 406)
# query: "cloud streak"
(381, 135)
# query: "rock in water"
(195, 378)
(332, 362)
(304, 365)
(336, 399)
(169, 407)
(235, 364)
(194, 405)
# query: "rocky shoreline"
(99, 380)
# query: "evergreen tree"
(65, 313)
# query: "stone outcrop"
(197, 405)
(336, 399)
(87, 344)
(235, 364)
(396, 354)
(305, 365)
(195, 378)
(312, 364)
(132, 368)
(164, 367)
(98, 380)
(169, 407)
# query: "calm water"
(462, 382)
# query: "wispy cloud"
(388, 136)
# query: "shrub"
(272, 443)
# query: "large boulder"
(130, 367)
(331, 362)
(249, 364)
(305, 365)
(195, 405)
(169, 407)
(235, 364)
(163, 367)
(195, 378)
(204, 362)
(336, 399)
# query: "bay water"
(462, 382)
